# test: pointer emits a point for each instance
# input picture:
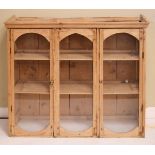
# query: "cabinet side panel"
(9, 43)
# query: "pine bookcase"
(76, 77)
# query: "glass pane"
(121, 90)
(76, 86)
(31, 79)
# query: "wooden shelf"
(120, 88)
(32, 55)
(120, 55)
(76, 55)
(76, 87)
(32, 87)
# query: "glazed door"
(31, 82)
(121, 86)
(75, 82)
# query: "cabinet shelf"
(115, 87)
(120, 55)
(32, 87)
(76, 55)
(32, 55)
(76, 87)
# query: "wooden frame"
(104, 34)
(60, 35)
(96, 22)
(49, 57)
(15, 130)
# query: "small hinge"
(51, 83)
(143, 55)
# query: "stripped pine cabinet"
(76, 77)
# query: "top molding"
(86, 22)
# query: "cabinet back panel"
(64, 105)
(44, 105)
(32, 105)
(109, 70)
(76, 41)
(76, 105)
(127, 70)
(110, 43)
(81, 105)
(125, 41)
(121, 41)
(43, 43)
(117, 105)
(109, 106)
(76, 70)
(32, 70)
(64, 44)
(81, 71)
(120, 70)
(64, 70)
(32, 41)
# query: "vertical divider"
(9, 40)
(51, 79)
(11, 84)
(95, 83)
(144, 82)
(101, 80)
(141, 76)
(143, 85)
(56, 84)
(98, 88)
